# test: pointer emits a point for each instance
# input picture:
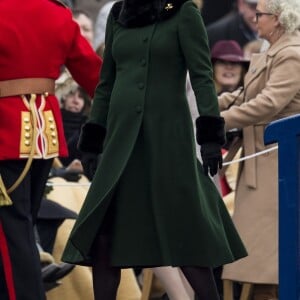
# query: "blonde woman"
(271, 91)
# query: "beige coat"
(272, 91)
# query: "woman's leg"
(172, 282)
(187, 285)
(202, 281)
(106, 279)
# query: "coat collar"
(138, 13)
(286, 40)
(259, 60)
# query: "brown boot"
(265, 292)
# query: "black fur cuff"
(210, 129)
(91, 138)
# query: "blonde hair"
(288, 12)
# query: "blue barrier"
(286, 132)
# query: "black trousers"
(16, 231)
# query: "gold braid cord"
(4, 194)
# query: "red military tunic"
(39, 51)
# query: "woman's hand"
(212, 158)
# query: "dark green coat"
(165, 210)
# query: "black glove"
(90, 144)
(212, 158)
(89, 163)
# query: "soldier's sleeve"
(59, 2)
(82, 61)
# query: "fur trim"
(210, 129)
(91, 138)
(138, 13)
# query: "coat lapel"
(286, 40)
(257, 65)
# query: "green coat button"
(143, 62)
(138, 109)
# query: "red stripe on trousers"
(7, 265)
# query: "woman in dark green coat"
(151, 203)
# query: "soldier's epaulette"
(59, 2)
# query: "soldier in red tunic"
(38, 38)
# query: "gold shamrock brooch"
(169, 6)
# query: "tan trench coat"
(271, 92)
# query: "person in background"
(270, 93)
(209, 12)
(148, 178)
(229, 65)
(229, 68)
(238, 25)
(31, 129)
(75, 103)
(75, 108)
(100, 26)
(85, 23)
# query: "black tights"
(202, 281)
(106, 279)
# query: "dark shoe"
(51, 285)
(49, 270)
(61, 271)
